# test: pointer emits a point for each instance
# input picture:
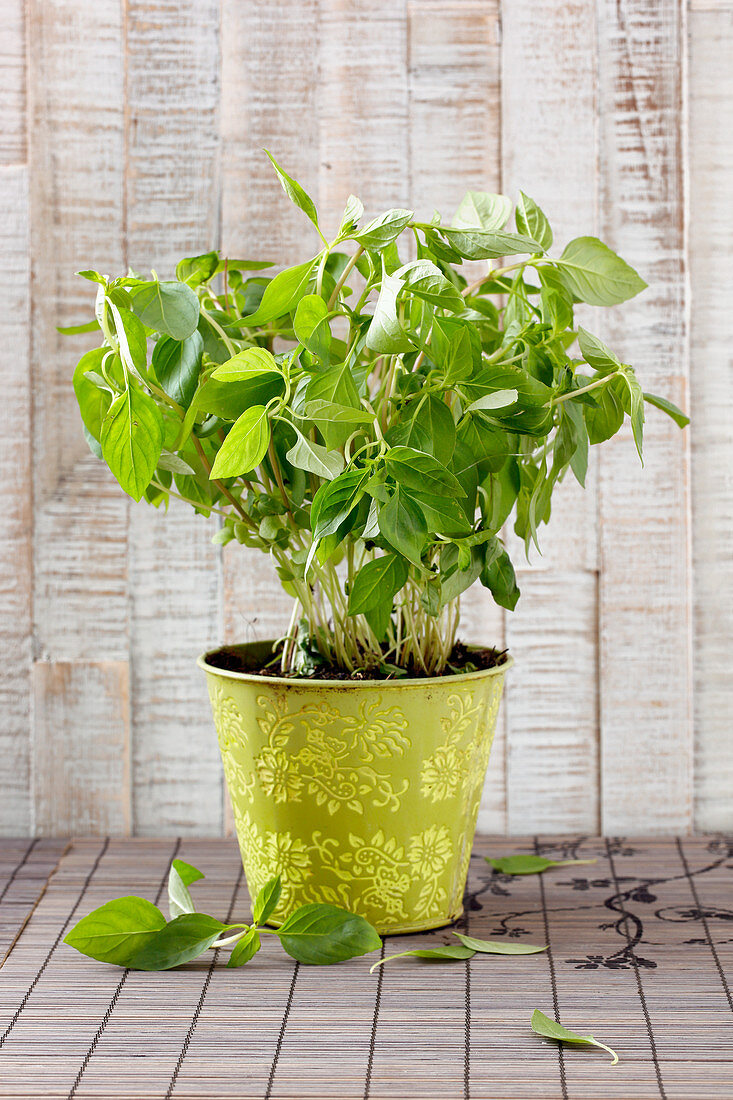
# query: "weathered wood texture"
(711, 399)
(133, 134)
(639, 956)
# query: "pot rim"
(312, 682)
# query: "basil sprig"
(132, 932)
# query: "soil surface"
(462, 659)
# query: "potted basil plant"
(370, 419)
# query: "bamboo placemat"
(641, 955)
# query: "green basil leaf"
(245, 446)
(532, 222)
(182, 939)
(637, 409)
(323, 934)
(281, 296)
(247, 365)
(668, 407)
(245, 949)
(180, 877)
(353, 213)
(383, 229)
(228, 400)
(75, 330)
(480, 210)
(550, 1029)
(132, 440)
(501, 489)
(495, 947)
(499, 399)
(603, 419)
(426, 281)
(595, 274)
(456, 582)
(131, 335)
(334, 501)
(176, 364)
(266, 901)
(93, 401)
(430, 429)
(499, 577)
(476, 244)
(444, 516)
(596, 353)
(403, 525)
(196, 270)
(310, 325)
(445, 952)
(93, 277)
(168, 307)
(420, 471)
(314, 458)
(386, 335)
(531, 865)
(377, 583)
(295, 192)
(329, 412)
(117, 931)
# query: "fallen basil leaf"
(531, 865)
(266, 901)
(117, 931)
(493, 947)
(543, 1025)
(246, 948)
(180, 877)
(443, 953)
(181, 940)
(324, 934)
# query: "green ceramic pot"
(363, 794)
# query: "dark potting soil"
(462, 659)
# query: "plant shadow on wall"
(370, 424)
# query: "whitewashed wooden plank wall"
(131, 134)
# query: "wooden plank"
(548, 104)
(172, 204)
(13, 145)
(15, 505)
(455, 114)
(362, 106)
(551, 704)
(711, 399)
(82, 748)
(269, 70)
(76, 178)
(645, 645)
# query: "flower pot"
(364, 793)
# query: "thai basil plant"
(370, 418)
